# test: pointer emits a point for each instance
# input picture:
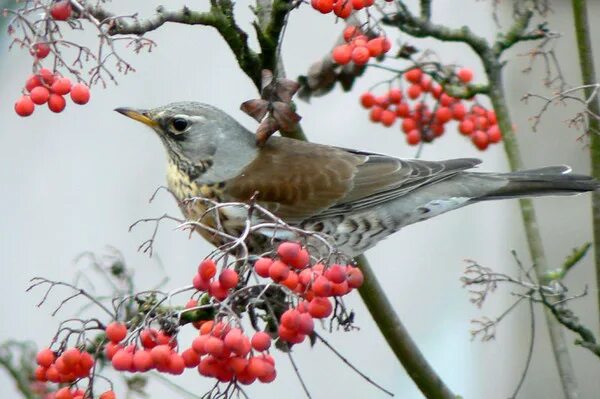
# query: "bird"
(356, 197)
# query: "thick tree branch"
(588, 76)
(398, 338)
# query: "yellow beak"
(138, 115)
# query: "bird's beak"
(139, 115)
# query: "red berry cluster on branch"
(341, 8)
(359, 48)
(69, 366)
(47, 87)
(425, 109)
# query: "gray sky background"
(75, 181)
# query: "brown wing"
(298, 180)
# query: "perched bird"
(356, 197)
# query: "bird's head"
(199, 134)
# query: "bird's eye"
(179, 124)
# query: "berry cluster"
(219, 288)
(69, 366)
(220, 351)
(424, 121)
(47, 87)
(358, 48)
(227, 354)
(313, 284)
(341, 8)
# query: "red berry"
(342, 54)
(342, 8)
(301, 260)
(261, 341)
(290, 319)
(80, 94)
(61, 11)
(466, 127)
(336, 274)
(122, 360)
(176, 364)
(367, 100)
(306, 325)
(160, 355)
(376, 113)
(408, 125)
(494, 134)
(320, 308)
(443, 114)
(110, 349)
(63, 393)
(46, 76)
(40, 50)
(33, 81)
(148, 338)
(425, 83)
(214, 346)
(414, 75)
(190, 357)
(207, 269)
(229, 279)
(56, 103)
(403, 110)
(459, 111)
(359, 4)
(355, 277)
(258, 367)
(413, 137)
(278, 271)
(45, 357)
(350, 32)
(288, 251)
(321, 286)
(436, 90)
(262, 265)
(414, 91)
(116, 332)
(395, 95)
(375, 46)
(465, 75)
(71, 357)
(291, 281)
(217, 291)
(142, 360)
(360, 55)
(61, 86)
(388, 117)
(200, 284)
(491, 116)
(108, 395)
(480, 139)
(446, 100)
(198, 344)
(323, 6)
(86, 361)
(24, 106)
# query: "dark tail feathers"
(551, 180)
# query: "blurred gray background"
(76, 181)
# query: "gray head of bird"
(196, 134)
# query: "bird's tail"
(551, 180)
